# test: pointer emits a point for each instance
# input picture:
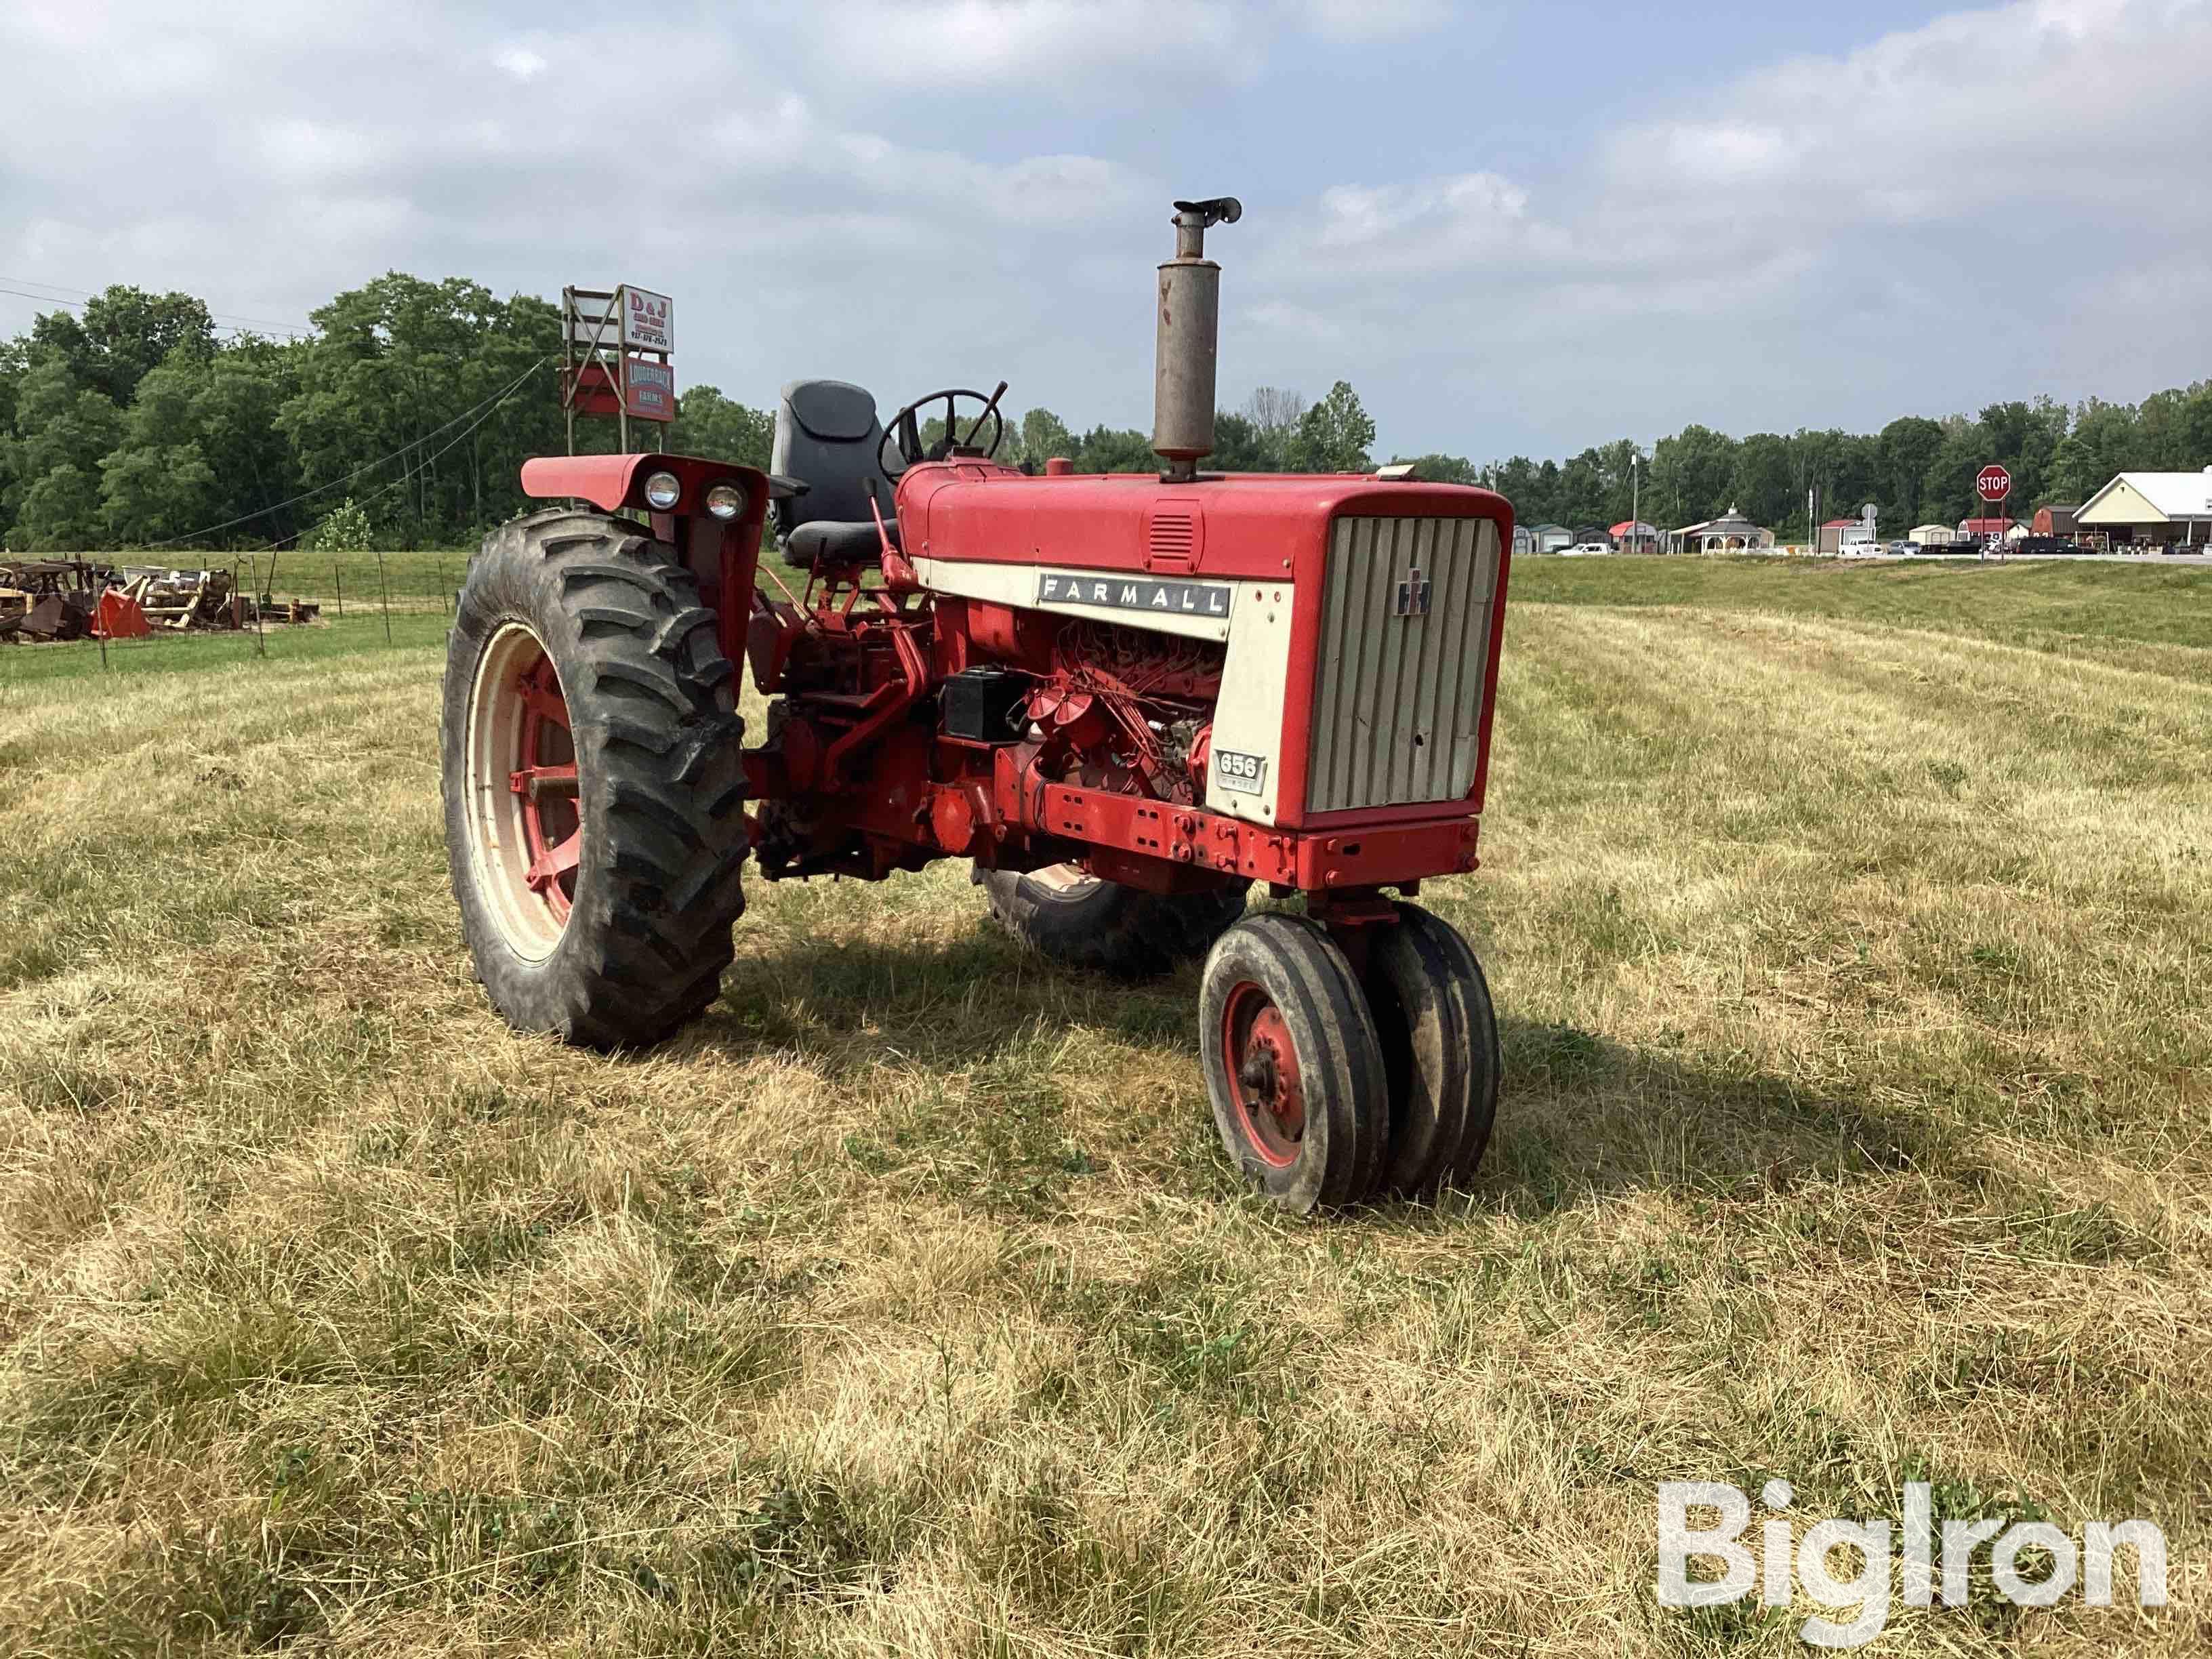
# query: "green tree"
(2105, 439)
(1522, 482)
(2024, 438)
(1763, 485)
(1045, 435)
(1909, 446)
(1436, 468)
(1274, 413)
(62, 429)
(1692, 478)
(131, 330)
(156, 483)
(1334, 434)
(710, 425)
(2173, 430)
(235, 413)
(1240, 446)
(345, 529)
(1104, 449)
(441, 388)
(1947, 494)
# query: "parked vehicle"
(1586, 549)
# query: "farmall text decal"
(1133, 593)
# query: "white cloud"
(2000, 202)
(973, 43)
(1373, 20)
(523, 63)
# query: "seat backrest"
(827, 434)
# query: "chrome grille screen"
(1405, 652)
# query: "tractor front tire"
(1081, 920)
(1293, 1066)
(593, 781)
(1432, 1011)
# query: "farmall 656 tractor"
(1125, 699)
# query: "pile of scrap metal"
(178, 599)
(43, 600)
(49, 599)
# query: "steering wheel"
(906, 431)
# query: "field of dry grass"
(1854, 977)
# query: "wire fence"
(69, 615)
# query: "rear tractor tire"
(593, 787)
(1082, 920)
(1328, 1090)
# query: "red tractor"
(1125, 699)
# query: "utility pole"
(1635, 496)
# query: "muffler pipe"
(1189, 340)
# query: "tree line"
(136, 422)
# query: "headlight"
(663, 491)
(726, 501)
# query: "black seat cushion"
(827, 436)
(836, 411)
(836, 543)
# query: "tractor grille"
(1397, 694)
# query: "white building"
(2152, 509)
(1730, 533)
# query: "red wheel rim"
(1262, 1064)
(544, 783)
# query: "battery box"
(986, 705)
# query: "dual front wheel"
(1331, 1085)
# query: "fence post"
(338, 577)
(384, 583)
(260, 645)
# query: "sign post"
(1994, 485)
(616, 344)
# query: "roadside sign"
(615, 352)
(650, 389)
(1993, 483)
(648, 322)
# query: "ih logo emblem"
(1413, 594)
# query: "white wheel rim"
(499, 831)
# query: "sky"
(1514, 227)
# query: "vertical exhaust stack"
(1189, 338)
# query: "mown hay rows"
(1854, 992)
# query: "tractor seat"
(826, 539)
(827, 436)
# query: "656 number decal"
(1235, 770)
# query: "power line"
(228, 322)
(488, 405)
(87, 294)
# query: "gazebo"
(1730, 533)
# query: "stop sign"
(1994, 484)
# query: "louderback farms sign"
(650, 389)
